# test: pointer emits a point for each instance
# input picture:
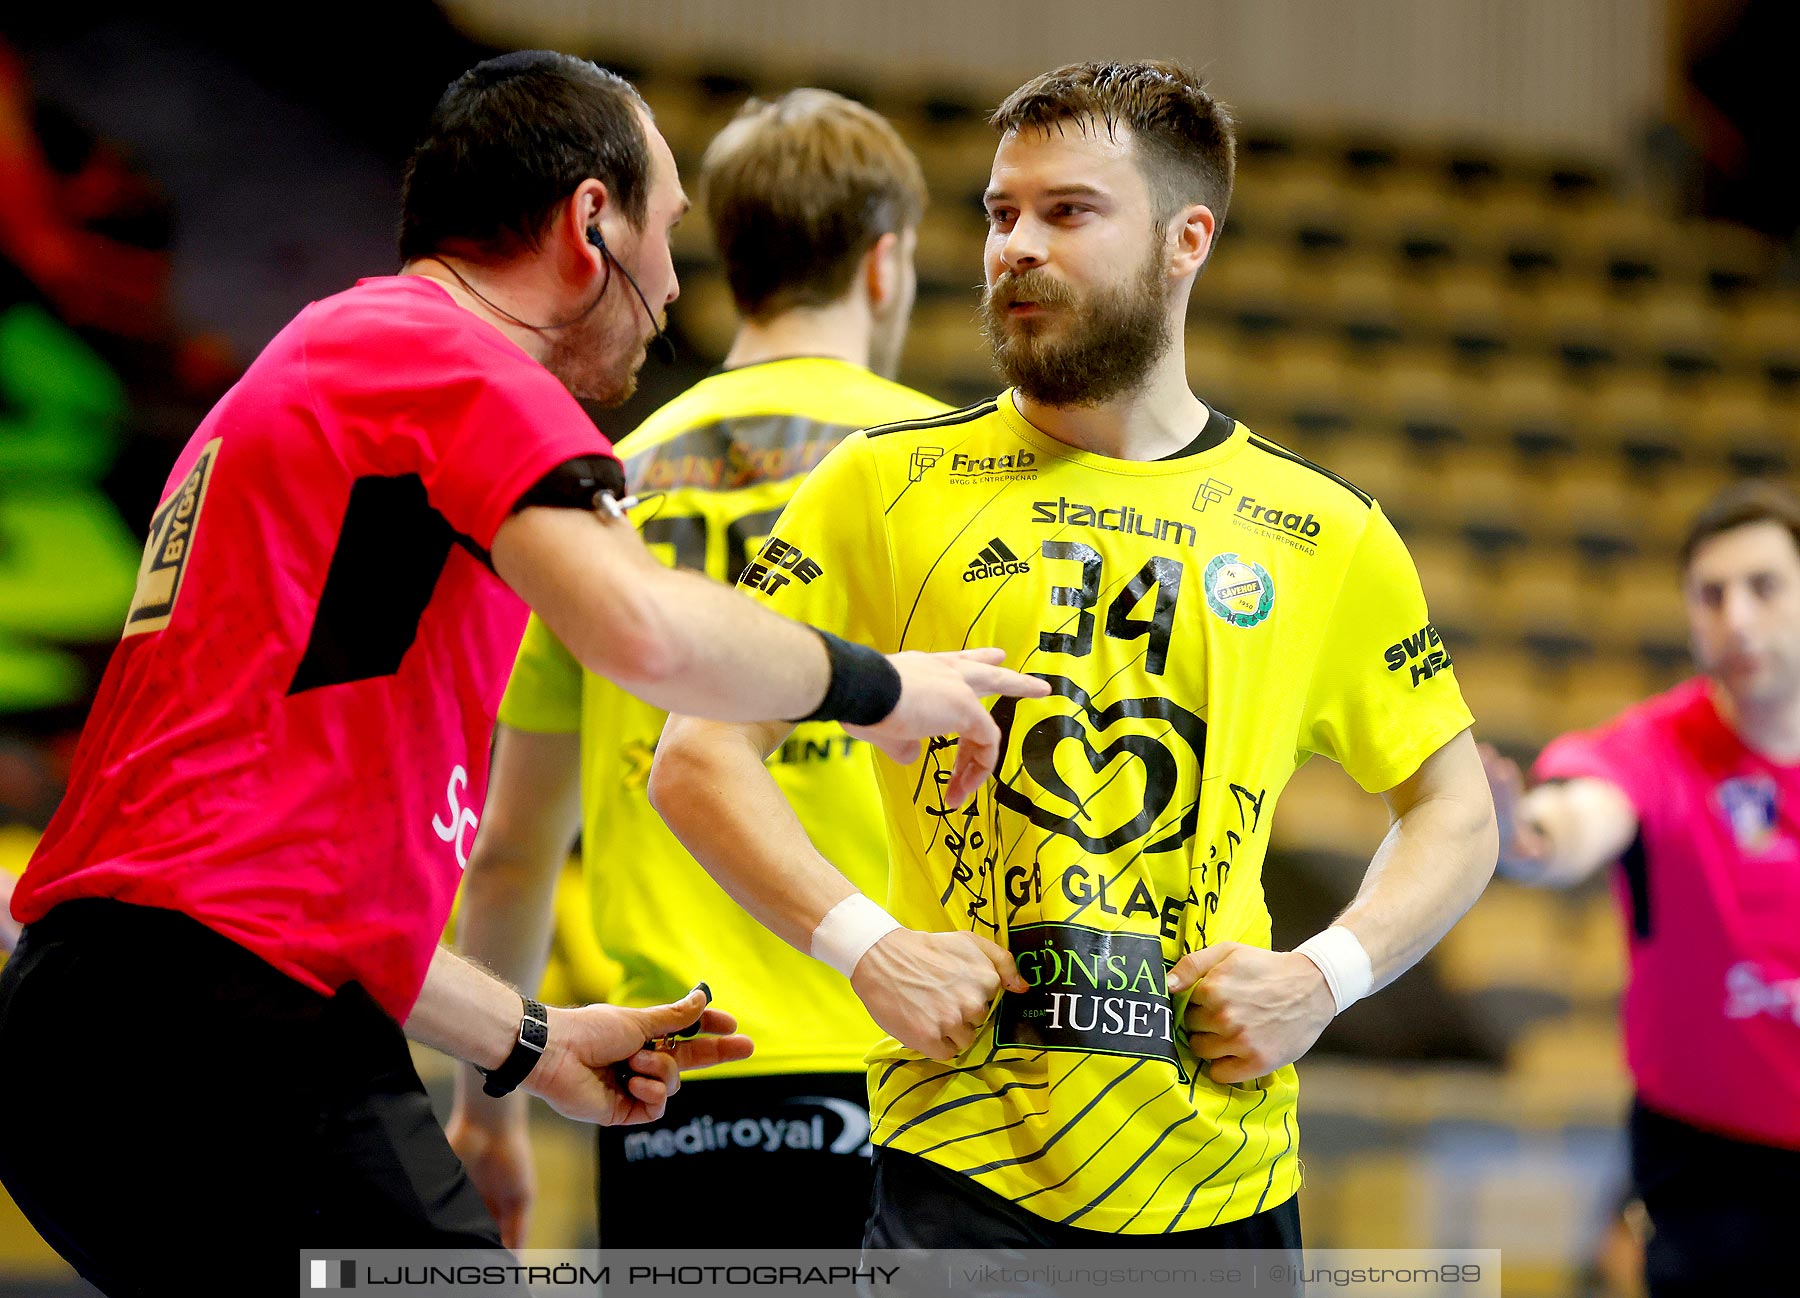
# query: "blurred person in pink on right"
(1695, 795)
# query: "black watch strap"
(534, 1032)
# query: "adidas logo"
(994, 560)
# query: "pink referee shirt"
(290, 742)
(1711, 894)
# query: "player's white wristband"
(848, 930)
(1341, 958)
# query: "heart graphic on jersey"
(1161, 761)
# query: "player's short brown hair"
(1185, 139)
(798, 189)
(1753, 500)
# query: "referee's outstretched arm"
(1560, 832)
(691, 645)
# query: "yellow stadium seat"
(1740, 423)
(1608, 238)
(951, 237)
(1544, 598)
(1679, 497)
(1323, 810)
(1514, 702)
(1514, 225)
(1676, 325)
(1578, 317)
(1479, 310)
(1528, 399)
(1639, 413)
(1765, 333)
(1303, 381)
(1643, 607)
(1421, 393)
(1372, 298)
(944, 346)
(1459, 588)
(1733, 256)
(1488, 496)
(1256, 285)
(1579, 1046)
(1598, 689)
(1380, 463)
(1414, 213)
(1592, 503)
(1376, 1200)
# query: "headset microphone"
(599, 241)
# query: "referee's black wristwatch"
(534, 1033)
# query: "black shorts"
(182, 1118)
(742, 1162)
(920, 1205)
(1720, 1210)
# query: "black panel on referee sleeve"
(1635, 863)
(573, 484)
(389, 553)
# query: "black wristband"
(534, 1032)
(864, 686)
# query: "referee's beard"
(1083, 351)
(598, 358)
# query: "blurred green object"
(33, 677)
(61, 406)
(68, 564)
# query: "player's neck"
(1769, 729)
(1157, 419)
(841, 331)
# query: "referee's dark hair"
(1754, 500)
(509, 141)
(1185, 139)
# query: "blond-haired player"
(815, 201)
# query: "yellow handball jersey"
(725, 457)
(1206, 624)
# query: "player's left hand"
(1252, 1010)
(576, 1076)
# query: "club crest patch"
(1238, 590)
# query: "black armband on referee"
(575, 484)
(864, 686)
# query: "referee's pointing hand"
(940, 694)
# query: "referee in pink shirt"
(1695, 794)
(231, 925)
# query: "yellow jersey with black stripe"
(1206, 623)
(714, 467)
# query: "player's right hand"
(940, 694)
(932, 991)
(497, 1155)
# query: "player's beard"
(1084, 351)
